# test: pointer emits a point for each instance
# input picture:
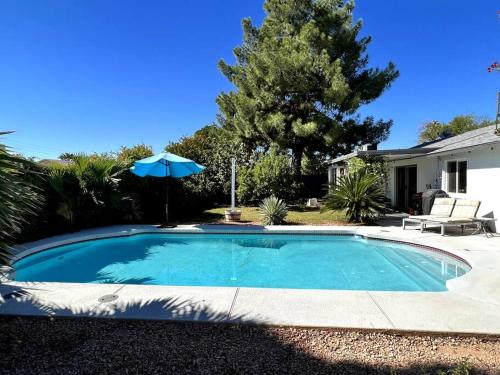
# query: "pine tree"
(300, 79)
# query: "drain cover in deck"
(108, 298)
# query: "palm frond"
(18, 198)
(87, 187)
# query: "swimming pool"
(245, 260)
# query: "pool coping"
(475, 296)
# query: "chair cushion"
(465, 208)
(442, 206)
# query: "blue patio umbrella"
(166, 165)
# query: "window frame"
(457, 177)
(334, 176)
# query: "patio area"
(471, 304)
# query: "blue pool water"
(245, 260)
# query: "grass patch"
(296, 215)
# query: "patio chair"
(442, 207)
(463, 214)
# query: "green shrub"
(85, 191)
(360, 194)
(273, 211)
(143, 197)
(66, 188)
(245, 185)
(19, 198)
(314, 164)
(271, 174)
(464, 367)
(372, 164)
(128, 155)
(213, 148)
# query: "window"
(333, 176)
(457, 176)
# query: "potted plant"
(233, 214)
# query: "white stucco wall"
(427, 173)
(483, 179)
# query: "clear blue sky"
(92, 75)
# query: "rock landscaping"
(91, 346)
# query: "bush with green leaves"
(360, 194)
(85, 190)
(314, 164)
(433, 130)
(142, 196)
(273, 211)
(128, 155)
(271, 174)
(65, 188)
(19, 198)
(98, 189)
(372, 164)
(92, 190)
(212, 147)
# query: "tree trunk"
(297, 154)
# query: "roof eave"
(394, 152)
(462, 149)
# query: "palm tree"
(98, 178)
(59, 178)
(18, 198)
(86, 188)
(360, 194)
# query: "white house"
(464, 166)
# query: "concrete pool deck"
(471, 304)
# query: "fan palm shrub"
(273, 211)
(87, 189)
(98, 177)
(18, 198)
(360, 194)
(64, 184)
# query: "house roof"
(477, 137)
(399, 153)
(473, 138)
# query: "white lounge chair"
(442, 207)
(463, 214)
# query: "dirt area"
(92, 346)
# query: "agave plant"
(18, 198)
(360, 194)
(273, 211)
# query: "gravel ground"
(92, 346)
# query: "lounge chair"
(463, 214)
(442, 207)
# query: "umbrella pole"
(166, 202)
(166, 189)
(166, 225)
